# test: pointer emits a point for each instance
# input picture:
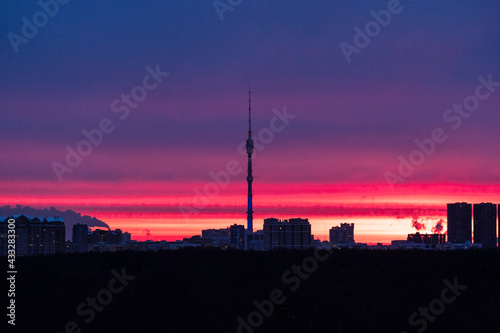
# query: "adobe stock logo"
(95, 136)
(221, 179)
(292, 278)
(224, 6)
(29, 29)
(426, 315)
(455, 116)
(372, 29)
(87, 309)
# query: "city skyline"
(470, 227)
(132, 126)
(467, 223)
(250, 166)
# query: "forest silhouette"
(206, 290)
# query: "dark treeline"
(205, 290)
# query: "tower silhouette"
(249, 172)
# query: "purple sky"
(353, 120)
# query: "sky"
(372, 112)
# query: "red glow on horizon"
(379, 214)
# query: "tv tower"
(249, 174)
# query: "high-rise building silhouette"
(485, 220)
(126, 237)
(101, 236)
(459, 222)
(237, 236)
(34, 235)
(80, 237)
(255, 241)
(343, 234)
(434, 239)
(292, 234)
(249, 147)
(219, 237)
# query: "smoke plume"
(438, 228)
(417, 225)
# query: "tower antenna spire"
(249, 147)
(249, 110)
